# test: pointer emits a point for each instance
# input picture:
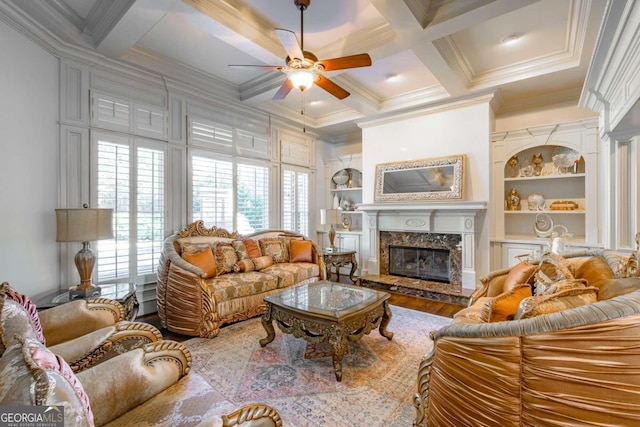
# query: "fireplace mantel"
(453, 217)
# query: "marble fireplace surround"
(451, 217)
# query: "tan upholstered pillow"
(520, 273)
(594, 270)
(300, 251)
(226, 258)
(276, 248)
(7, 292)
(612, 288)
(244, 265)
(241, 249)
(189, 248)
(204, 260)
(505, 306)
(262, 262)
(545, 304)
(253, 249)
(564, 285)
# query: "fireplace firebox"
(420, 263)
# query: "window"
(295, 201)
(252, 198)
(212, 191)
(130, 179)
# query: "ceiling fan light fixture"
(302, 79)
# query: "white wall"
(464, 130)
(28, 165)
(542, 116)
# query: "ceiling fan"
(303, 68)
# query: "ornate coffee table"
(330, 311)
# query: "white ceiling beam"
(136, 22)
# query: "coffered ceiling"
(423, 51)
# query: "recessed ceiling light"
(314, 102)
(391, 77)
(511, 39)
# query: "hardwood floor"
(415, 303)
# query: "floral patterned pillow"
(6, 291)
(226, 258)
(276, 248)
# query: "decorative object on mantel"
(536, 202)
(330, 216)
(564, 205)
(346, 205)
(538, 162)
(420, 180)
(512, 164)
(513, 200)
(84, 225)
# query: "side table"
(340, 259)
(124, 293)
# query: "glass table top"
(327, 298)
(115, 291)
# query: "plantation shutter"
(302, 205)
(211, 135)
(252, 198)
(288, 200)
(150, 209)
(212, 191)
(113, 191)
(295, 201)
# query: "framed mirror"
(420, 180)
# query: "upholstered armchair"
(85, 332)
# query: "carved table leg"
(338, 341)
(354, 267)
(386, 318)
(268, 326)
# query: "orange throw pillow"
(253, 249)
(300, 251)
(204, 260)
(505, 306)
(520, 273)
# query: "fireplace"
(419, 263)
(433, 257)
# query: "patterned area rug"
(297, 379)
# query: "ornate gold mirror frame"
(420, 180)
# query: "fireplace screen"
(419, 263)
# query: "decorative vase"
(336, 201)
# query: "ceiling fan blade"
(353, 61)
(331, 87)
(284, 90)
(263, 67)
(290, 43)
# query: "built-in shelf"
(338, 190)
(547, 211)
(535, 178)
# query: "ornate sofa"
(548, 343)
(209, 276)
(100, 389)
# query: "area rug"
(297, 379)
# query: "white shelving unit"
(513, 231)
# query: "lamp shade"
(329, 216)
(84, 225)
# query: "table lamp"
(330, 216)
(84, 225)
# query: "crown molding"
(104, 16)
(415, 98)
(437, 107)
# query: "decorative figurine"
(536, 202)
(537, 161)
(513, 166)
(526, 169)
(513, 200)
